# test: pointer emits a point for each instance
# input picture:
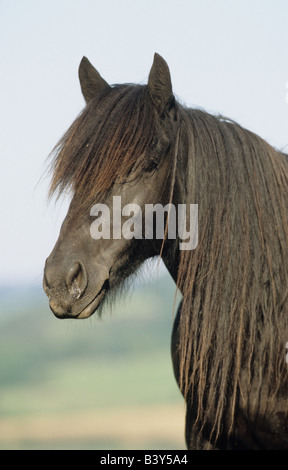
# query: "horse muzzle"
(67, 290)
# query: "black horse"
(230, 332)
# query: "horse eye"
(151, 165)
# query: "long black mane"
(235, 315)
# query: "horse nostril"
(77, 279)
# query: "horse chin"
(94, 303)
(92, 306)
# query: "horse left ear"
(90, 80)
(159, 84)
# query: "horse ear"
(159, 83)
(90, 80)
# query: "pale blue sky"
(227, 56)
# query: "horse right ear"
(159, 84)
(90, 80)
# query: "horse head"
(116, 158)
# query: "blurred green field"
(89, 384)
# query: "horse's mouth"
(86, 311)
(94, 304)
